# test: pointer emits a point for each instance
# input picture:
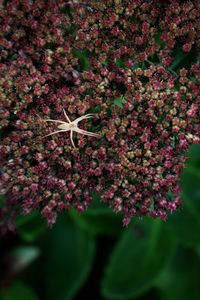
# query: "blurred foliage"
(185, 225)
(133, 265)
(98, 219)
(18, 291)
(183, 60)
(180, 279)
(91, 254)
(30, 227)
(66, 259)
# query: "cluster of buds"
(113, 59)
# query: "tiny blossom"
(114, 59)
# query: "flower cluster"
(118, 60)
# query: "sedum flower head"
(114, 59)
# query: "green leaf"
(18, 291)
(158, 38)
(119, 101)
(30, 227)
(96, 222)
(139, 65)
(82, 55)
(120, 63)
(67, 11)
(98, 219)
(190, 184)
(140, 255)
(194, 157)
(71, 29)
(14, 56)
(194, 79)
(181, 279)
(67, 259)
(182, 59)
(185, 223)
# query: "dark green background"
(91, 256)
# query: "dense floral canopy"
(135, 65)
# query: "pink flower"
(114, 63)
